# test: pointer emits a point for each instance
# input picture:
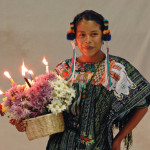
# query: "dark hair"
(89, 15)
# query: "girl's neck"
(93, 59)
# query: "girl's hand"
(21, 126)
(116, 144)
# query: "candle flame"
(6, 73)
(44, 61)
(30, 71)
(24, 69)
(1, 92)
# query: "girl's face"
(88, 37)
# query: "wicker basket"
(44, 125)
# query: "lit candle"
(46, 64)
(27, 81)
(1, 92)
(24, 70)
(31, 73)
(6, 73)
(30, 76)
(28, 72)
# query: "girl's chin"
(89, 55)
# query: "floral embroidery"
(86, 139)
(120, 82)
(83, 76)
(65, 73)
(99, 77)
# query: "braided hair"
(88, 15)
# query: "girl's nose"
(88, 39)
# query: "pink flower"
(30, 102)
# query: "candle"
(24, 70)
(26, 80)
(6, 73)
(29, 72)
(32, 74)
(1, 92)
(46, 64)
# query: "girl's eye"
(82, 35)
(94, 34)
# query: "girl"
(109, 90)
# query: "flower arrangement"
(49, 93)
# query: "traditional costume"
(90, 119)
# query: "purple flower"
(17, 111)
(24, 103)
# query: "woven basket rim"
(44, 125)
(42, 116)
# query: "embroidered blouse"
(90, 118)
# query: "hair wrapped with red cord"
(71, 32)
(106, 32)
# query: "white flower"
(62, 108)
(56, 101)
(58, 85)
(68, 100)
(66, 89)
(54, 94)
(60, 93)
(59, 78)
(55, 111)
(69, 91)
(56, 106)
(72, 92)
(52, 83)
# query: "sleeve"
(62, 68)
(129, 86)
(142, 90)
(139, 96)
(142, 104)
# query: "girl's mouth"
(89, 47)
